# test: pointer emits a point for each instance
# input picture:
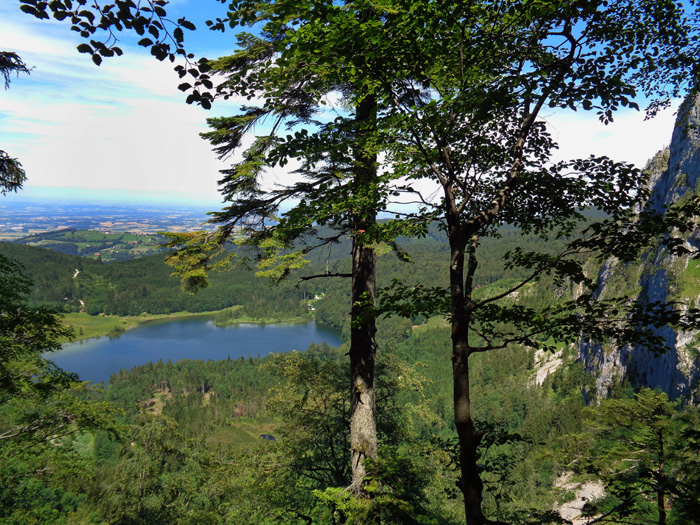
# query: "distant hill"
(145, 284)
(141, 285)
(104, 245)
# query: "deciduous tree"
(456, 91)
(451, 92)
(468, 116)
(41, 407)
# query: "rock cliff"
(658, 276)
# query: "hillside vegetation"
(145, 285)
(264, 440)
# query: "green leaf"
(187, 24)
(84, 48)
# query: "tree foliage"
(471, 121)
(457, 91)
(11, 63)
(292, 73)
(12, 174)
(453, 93)
(42, 410)
(639, 448)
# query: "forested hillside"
(140, 285)
(263, 440)
(131, 287)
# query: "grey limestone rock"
(675, 172)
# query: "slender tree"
(469, 117)
(457, 90)
(452, 92)
(631, 445)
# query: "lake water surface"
(193, 338)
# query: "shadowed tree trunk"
(363, 428)
(469, 438)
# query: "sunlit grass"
(87, 326)
(243, 432)
(231, 316)
(689, 285)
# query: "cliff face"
(675, 173)
(681, 171)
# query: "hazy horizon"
(63, 194)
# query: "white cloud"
(124, 125)
(629, 138)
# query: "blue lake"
(195, 338)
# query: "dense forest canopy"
(184, 442)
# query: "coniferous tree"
(294, 73)
(644, 451)
(12, 174)
(458, 89)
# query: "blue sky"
(124, 126)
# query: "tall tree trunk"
(468, 437)
(470, 483)
(363, 411)
(363, 428)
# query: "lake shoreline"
(185, 338)
(87, 326)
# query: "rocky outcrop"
(681, 172)
(675, 172)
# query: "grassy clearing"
(437, 321)
(231, 316)
(243, 432)
(500, 287)
(86, 326)
(690, 280)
